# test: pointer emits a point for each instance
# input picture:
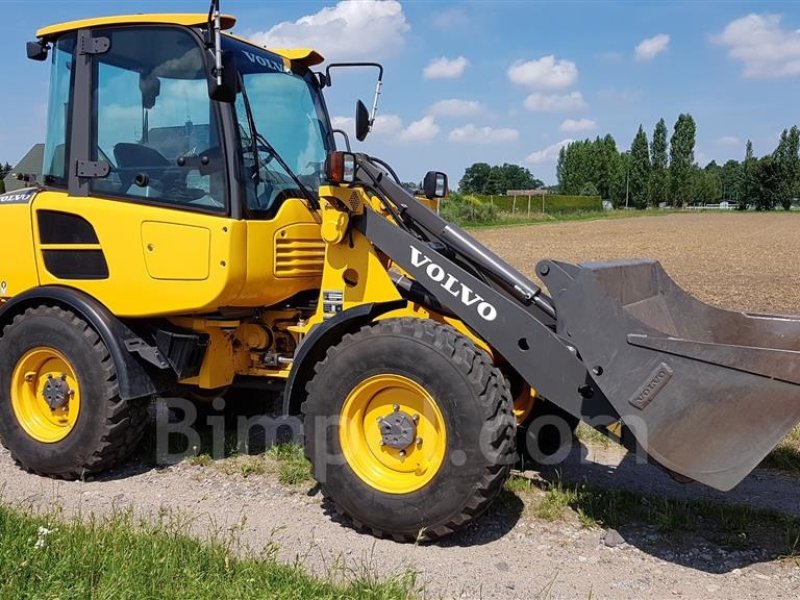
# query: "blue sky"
(496, 81)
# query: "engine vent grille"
(299, 256)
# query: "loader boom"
(616, 342)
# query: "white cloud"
(423, 130)
(346, 123)
(573, 125)
(651, 47)
(347, 30)
(387, 124)
(764, 47)
(454, 107)
(546, 73)
(445, 68)
(384, 124)
(450, 19)
(729, 140)
(469, 134)
(538, 102)
(547, 155)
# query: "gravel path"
(504, 555)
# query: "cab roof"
(186, 19)
(304, 56)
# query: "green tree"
(659, 182)
(788, 163)
(639, 171)
(732, 181)
(681, 159)
(481, 178)
(706, 184)
(749, 187)
(475, 179)
(769, 182)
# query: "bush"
(466, 209)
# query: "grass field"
(47, 559)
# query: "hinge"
(92, 168)
(93, 45)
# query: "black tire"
(547, 434)
(107, 429)
(476, 405)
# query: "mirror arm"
(378, 87)
(214, 23)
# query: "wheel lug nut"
(402, 453)
(396, 408)
(415, 418)
(419, 441)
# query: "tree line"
(485, 180)
(665, 172)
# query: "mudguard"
(134, 380)
(315, 345)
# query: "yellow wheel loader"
(195, 225)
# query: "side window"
(54, 168)
(154, 122)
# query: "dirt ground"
(740, 261)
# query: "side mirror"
(37, 50)
(434, 185)
(227, 90)
(362, 121)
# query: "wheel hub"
(56, 391)
(398, 430)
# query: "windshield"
(288, 111)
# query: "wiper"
(312, 199)
(256, 138)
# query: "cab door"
(144, 223)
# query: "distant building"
(31, 164)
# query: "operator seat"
(133, 159)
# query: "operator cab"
(132, 117)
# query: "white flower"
(42, 537)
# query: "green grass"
(786, 456)
(726, 525)
(45, 559)
(590, 436)
(293, 468)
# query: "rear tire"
(469, 414)
(101, 430)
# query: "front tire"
(409, 428)
(60, 412)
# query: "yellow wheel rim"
(523, 404)
(386, 467)
(44, 374)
